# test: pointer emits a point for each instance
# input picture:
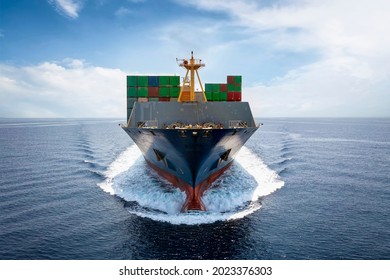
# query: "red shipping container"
(234, 96)
(230, 96)
(230, 79)
(153, 91)
(164, 99)
(223, 87)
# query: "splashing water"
(234, 195)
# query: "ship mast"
(187, 91)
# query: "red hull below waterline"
(193, 194)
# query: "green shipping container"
(238, 80)
(223, 96)
(131, 81)
(142, 91)
(209, 96)
(212, 87)
(163, 81)
(231, 87)
(215, 87)
(208, 87)
(216, 96)
(174, 91)
(131, 92)
(174, 80)
(163, 92)
(142, 81)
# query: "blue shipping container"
(153, 81)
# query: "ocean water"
(299, 189)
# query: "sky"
(298, 58)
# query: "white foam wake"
(233, 196)
(130, 178)
(247, 180)
(121, 164)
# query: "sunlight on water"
(234, 195)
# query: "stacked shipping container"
(151, 88)
(234, 88)
(231, 91)
(167, 88)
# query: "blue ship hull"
(190, 158)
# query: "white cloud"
(122, 12)
(69, 8)
(67, 89)
(349, 77)
(349, 26)
(322, 89)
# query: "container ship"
(189, 137)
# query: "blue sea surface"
(300, 189)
